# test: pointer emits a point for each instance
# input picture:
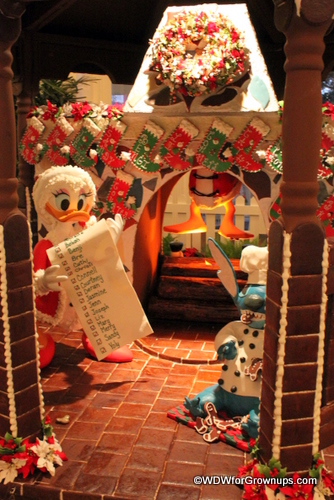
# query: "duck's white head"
(63, 195)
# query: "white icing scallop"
(276, 444)
(6, 334)
(281, 350)
(321, 353)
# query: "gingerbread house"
(166, 131)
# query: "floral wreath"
(270, 480)
(194, 53)
(76, 110)
(19, 456)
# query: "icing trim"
(281, 348)
(321, 353)
(6, 335)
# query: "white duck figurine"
(63, 198)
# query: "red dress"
(50, 306)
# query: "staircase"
(189, 290)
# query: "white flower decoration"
(47, 456)
(8, 471)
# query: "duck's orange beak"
(67, 215)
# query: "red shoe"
(121, 355)
(46, 349)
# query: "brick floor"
(119, 441)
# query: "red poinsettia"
(18, 456)
(327, 479)
(33, 112)
(80, 110)
(328, 110)
(246, 470)
(28, 467)
(255, 491)
(298, 491)
(115, 111)
(8, 444)
(50, 113)
(252, 442)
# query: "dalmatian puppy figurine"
(239, 344)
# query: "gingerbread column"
(25, 171)
(293, 361)
(21, 401)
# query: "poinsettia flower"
(48, 455)
(327, 479)
(9, 470)
(29, 465)
(246, 470)
(80, 110)
(50, 113)
(57, 448)
(34, 111)
(298, 491)
(254, 490)
(9, 445)
(115, 111)
(328, 110)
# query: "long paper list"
(101, 293)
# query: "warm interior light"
(195, 223)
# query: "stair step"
(191, 310)
(188, 289)
(206, 289)
(197, 267)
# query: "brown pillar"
(296, 302)
(25, 171)
(21, 406)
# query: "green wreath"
(195, 53)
